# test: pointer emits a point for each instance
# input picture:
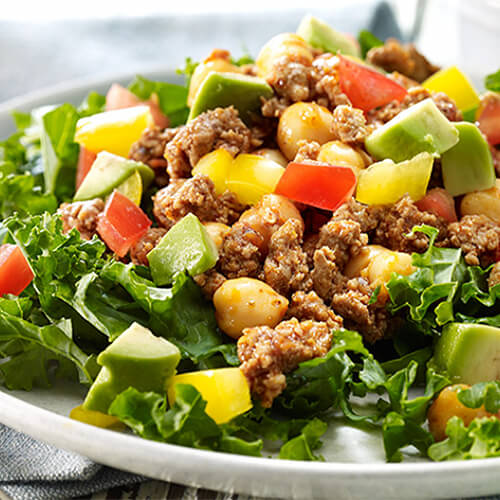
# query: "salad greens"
(492, 81)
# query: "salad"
(277, 243)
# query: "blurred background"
(47, 42)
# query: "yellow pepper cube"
(113, 131)
(456, 85)
(386, 182)
(96, 418)
(225, 390)
(252, 176)
(215, 165)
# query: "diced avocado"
(321, 36)
(109, 171)
(186, 247)
(138, 359)
(219, 90)
(468, 165)
(469, 353)
(420, 128)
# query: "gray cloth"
(31, 470)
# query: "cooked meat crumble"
(81, 215)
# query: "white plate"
(355, 465)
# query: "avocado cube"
(418, 129)
(219, 90)
(186, 247)
(321, 36)
(468, 165)
(109, 171)
(138, 359)
(468, 353)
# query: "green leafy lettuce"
(172, 98)
(367, 41)
(492, 81)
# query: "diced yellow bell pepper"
(96, 418)
(252, 176)
(386, 182)
(225, 390)
(456, 85)
(215, 165)
(113, 131)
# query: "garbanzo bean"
(287, 46)
(245, 302)
(217, 231)
(304, 121)
(485, 202)
(446, 406)
(272, 154)
(339, 154)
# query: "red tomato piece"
(15, 272)
(318, 185)
(439, 202)
(85, 160)
(488, 118)
(119, 97)
(367, 88)
(122, 224)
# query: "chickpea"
(376, 264)
(219, 62)
(272, 211)
(304, 121)
(287, 46)
(217, 231)
(339, 154)
(446, 406)
(245, 302)
(272, 154)
(485, 202)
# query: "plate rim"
(27, 417)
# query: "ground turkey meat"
(494, 277)
(81, 215)
(368, 217)
(350, 124)
(405, 59)
(194, 195)
(415, 95)
(292, 80)
(241, 254)
(353, 304)
(396, 224)
(150, 148)
(267, 354)
(209, 282)
(140, 250)
(214, 129)
(310, 306)
(478, 237)
(274, 107)
(307, 151)
(285, 267)
(338, 242)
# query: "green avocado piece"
(219, 90)
(468, 165)
(186, 247)
(138, 359)
(109, 171)
(420, 128)
(468, 353)
(321, 36)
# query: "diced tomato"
(367, 88)
(488, 117)
(439, 202)
(119, 97)
(122, 223)
(85, 161)
(318, 185)
(15, 272)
